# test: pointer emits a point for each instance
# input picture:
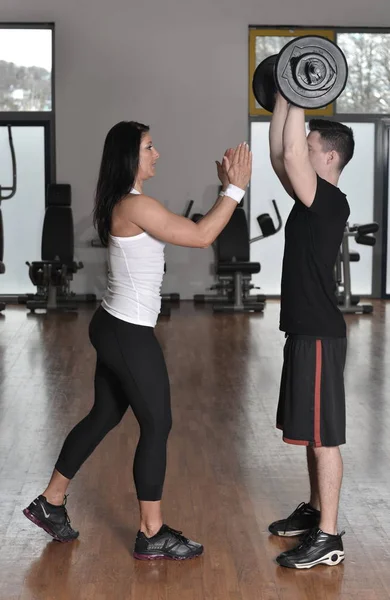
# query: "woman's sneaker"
(166, 544)
(53, 519)
(303, 519)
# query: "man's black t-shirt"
(313, 236)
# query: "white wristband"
(234, 192)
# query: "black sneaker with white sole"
(167, 544)
(302, 520)
(316, 548)
(53, 519)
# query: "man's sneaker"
(166, 544)
(53, 519)
(316, 548)
(302, 520)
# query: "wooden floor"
(229, 473)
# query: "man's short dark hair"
(335, 136)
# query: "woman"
(130, 367)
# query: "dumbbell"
(310, 72)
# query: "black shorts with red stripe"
(311, 410)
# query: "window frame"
(255, 32)
(382, 149)
(294, 30)
(45, 118)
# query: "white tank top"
(135, 274)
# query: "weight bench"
(233, 267)
(54, 272)
(234, 270)
(342, 270)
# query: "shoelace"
(65, 511)
(299, 509)
(178, 535)
(308, 539)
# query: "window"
(266, 187)
(364, 105)
(25, 69)
(368, 86)
(264, 43)
(22, 236)
(27, 110)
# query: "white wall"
(180, 66)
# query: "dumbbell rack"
(343, 266)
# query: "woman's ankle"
(150, 528)
(55, 498)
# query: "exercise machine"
(348, 303)
(233, 267)
(54, 272)
(6, 193)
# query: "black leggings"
(130, 371)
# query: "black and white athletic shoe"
(302, 520)
(53, 519)
(166, 544)
(316, 548)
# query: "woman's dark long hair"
(118, 171)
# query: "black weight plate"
(311, 71)
(263, 83)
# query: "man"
(311, 409)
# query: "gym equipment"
(310, 72)
(233, 268)
(342, 270)
(6, 193)
(266, 224)
(54, 272)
